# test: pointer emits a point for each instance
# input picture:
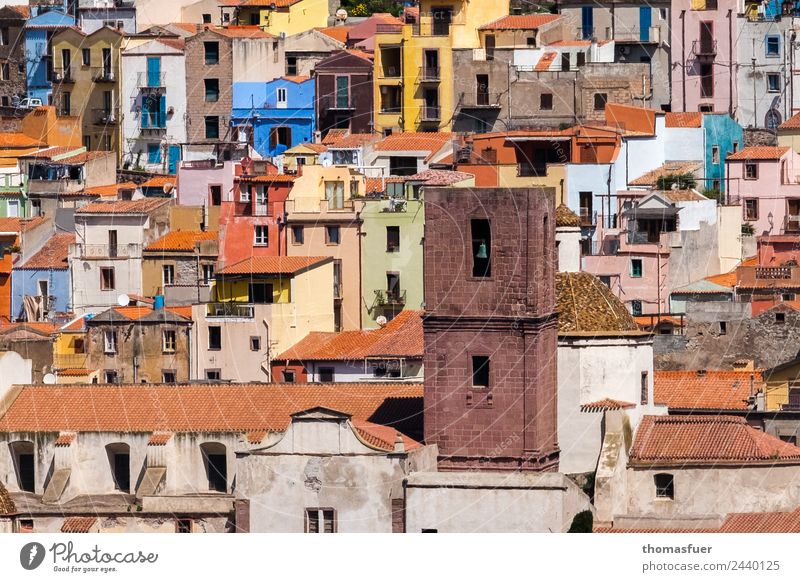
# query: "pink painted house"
(765, 180)
(702, 54)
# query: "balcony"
(103, 75)
(93, 251)
(338, 103)
(12, 182)
(430, 113)
(480, 100)
(704, 48)
(104, 117)
(588, 218)
(150, 80)
(64, 75)
(429, 75)
(395, 205)
(230, 310)
(63, 361)
(637, 35)
(387, 298)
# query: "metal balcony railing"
(338, 102)
(704, 48)
(588, 218)
(231, 309)
(151, 80)
(395, 205)
(103, 75)
(104, 117)
(64, 75)
(480, 100)
(430, 74)
(390, 297)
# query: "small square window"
(773, 46)
(326, 375)
(751, 209)
(206, 19)
(261, 235)
(546, 101)
(780, 318)
(255, 343)
(214, 375)
(170, 341)
(332, 235)
(212, 127)
(751, 171)
(665, 486)
(600, 101)
(480, 371)
(636, 268)
(184, 525)
(110, 376)
(773, 82)
(298, 235)
(288, 376)
(168, 376)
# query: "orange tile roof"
(361, 54)
(84, 157)
(352, 141)
(252, 32)
(707, 390)
(78, 324)
(75, 372)
(19, 140)
(21, 225)
(382, 437)
(198, 407)
(791, 123)
(667, 168)
(440, 177)
(64, 440)
(139, 312)
(42, 327)
(758, 153)
(334, 135)
(268, 179)
(141, 206)
(159, 439)
(546, 60)
(415, 141)
(378, 185)
(158, 181)
(75, 525)
(402, 337)
(296, 78)
(182, 310)
(275, 266)
(336, 32)
(53, 152)
(771, 522)
(23, 11)
(53, 255)
(724, 279)
(521, 22)
(707, 440)
(109, 191)
(181, 240)
(606, 404)
(681, 119)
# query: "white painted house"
(154, 105)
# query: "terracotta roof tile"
(64, 440)
(707, 440)
(41, 327)
(139, 313)
(84, 157)
(339, 33)
(706, 390)
(252, 32)
(791, 123)
(236, 408)
(686, 120)
(182, 310)
(771, 522)
(21, 225)
(666, 169)
(19, 140)
(334, 135)
(141, 206)
(685, 195)
(546, 61)
(521, 22)
(53, 255)
(402, 337)
(606, 404)
(159, 439)
(276, 266)
(566, 217)
(382, 437)
(585, 304)
(350, 141)
(378, 185)
(181, 240)
(75, 525)
(158, 181)
(53, 152)
(268, 179)
(108, 191)
(758, 153)
(440, 177)
(415, 141)
(75, 372)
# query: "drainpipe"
(683, 56)
(733, 66)
(359, 235)
(755, 102)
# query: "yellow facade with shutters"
(414, 64)
(294, 19)
(238, 290)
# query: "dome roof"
(565, 217)
(586, 305)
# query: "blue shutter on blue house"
(162, 111)
(587, 22)
(174, 158)
(645, 22)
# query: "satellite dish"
(381, 320)
(168, 187)
(341, 15)
(49, 379)
(123, 300)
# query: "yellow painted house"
(782, 387)
(414, 63)
(282, 16)
(87, 75)
(69, 354)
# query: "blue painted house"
(39, 31)
(45, 277)
(278, 115)
(723, 135)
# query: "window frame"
(777, 40)
(664, 488)
(747, 174)
(748, 213)
(481, 365)
(321, 518)
(770, 77)
(542, 104)
(206, 45)
(298, 228)
(260, 235)
(167, 274)
(633, 273)
(110, 286)
(216, 346)
(327, 371)
(169, 341)
(393, 239)
(110, 342)
(604, 97)
(329, 240)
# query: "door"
(154, 71)
(442, 17)
(482, 89)
(645, 20)
(13, 208)
(260, 293)
(107, 63)
(707, 38)
(174, 158)
(491, 42)
(431, 70)
(587, 22)
(793, 212)
(342, 92)
(112, 243)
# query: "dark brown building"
(490, 328)
(344, 90)
(12, 53)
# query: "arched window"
(119, 459)
(772, 120)
(215, 461)
(22, 453)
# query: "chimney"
(399, 445)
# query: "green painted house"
(13, 196)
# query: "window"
(214, 337)
(110, 341)
(636, 307)
(280, 136)
(751, 171)
(86, 57)
(244, 194)
(212, 127)
(392, 239)
(332, 235)
(751, 209)
(255, 343)
(216, 465)
(531, 41)
(780, 318)
(282, 97)
(665, 486)
(107, 279)
(288, 376)
(320, 520)
(261, 235)
(326, 375)
(334, 194)
(600, 100)
(4, 36)
(788, 296)
(291, 66)
(261, 293)
(481, 248)
(706, 108)
(208, 274)
(169, 341)
(24, 465)
(215, 194)
(168, 376)
(546, 101)
(773, 82)
(735, 146)
(715, 154)
(111, 376)
(298, 235)
(168, 275)
(183, 525)
(211, 52)
(707, 81)
(636, 268)
(214, 375)
(342, 92)
(480, 371)
(154, 153)
(212, 90)
(120, 458)
(773, 45)
(644, 388)
(5, 72)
